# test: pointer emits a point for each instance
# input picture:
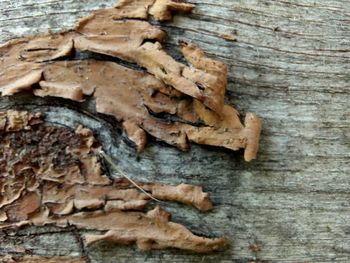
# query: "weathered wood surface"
(290, 64)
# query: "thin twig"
(117, 169)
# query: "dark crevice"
(81, 244)
(163, 70)
(171, 119)
(40, 49)
(147, 40)
(200, 86)
(86, 55)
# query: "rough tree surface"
(174, 102)
(53, 175)
(289, 63)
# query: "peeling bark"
(51, 175)
(150, 231)
(162, 9)
(289, 64)
(193, 96)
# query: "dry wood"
(129, 95)
(51, 176)
(38, 259)
(290, 64)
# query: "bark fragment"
(175, 103)
(162, 9)
(51, 175)
(20, 59)
(132, 40)
(18, 120)
(132, 9)
(183, 193)
(139, 95)
(149, 231)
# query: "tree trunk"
(288, 62)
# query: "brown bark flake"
(191, 94)
(52, 175)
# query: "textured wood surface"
(290, 64)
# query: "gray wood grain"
(290, 64)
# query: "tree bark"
(288, 62)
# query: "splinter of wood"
(117, 169)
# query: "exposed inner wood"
(39, 259)
(52, 175)
(193, 96)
